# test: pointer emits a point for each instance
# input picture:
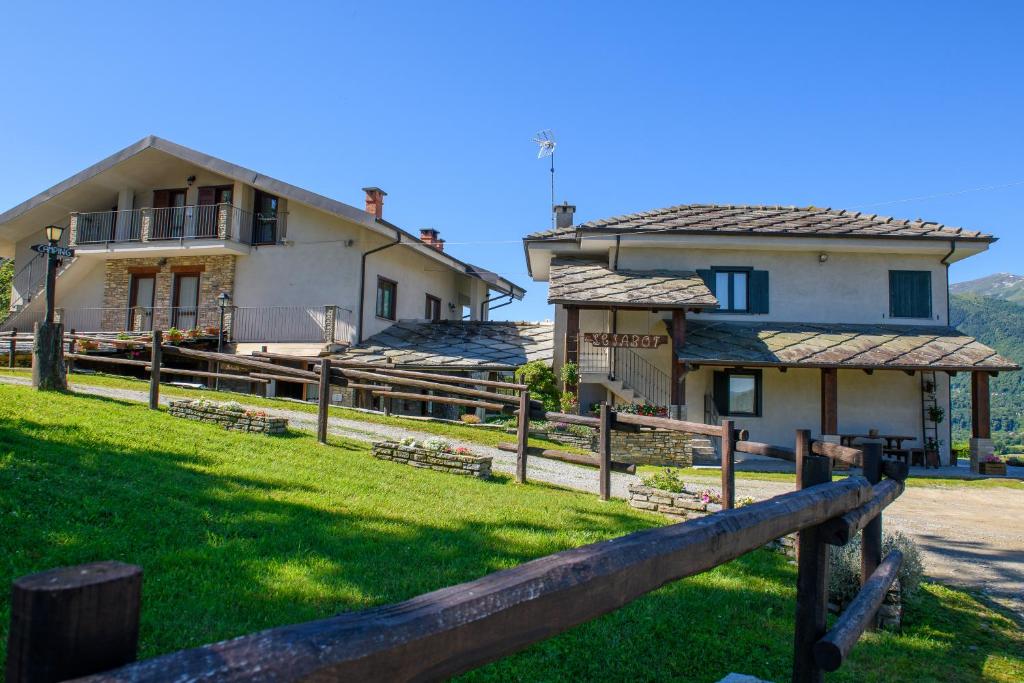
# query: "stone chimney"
(375, 201)
(432, 237)
(563, 214)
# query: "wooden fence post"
(604, 451)
(811, 582)
(13, 348)
(154, 373)
(728, 465)
(871, 538)
(69, 364)
(73, 621)
(324, 400)
(802, 450)
(522, 436)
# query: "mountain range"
(1000, 286)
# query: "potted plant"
(931, 452)
(174, 335)
(569, 402)
(936, 414)
(211, 331)
(992, 464)
(570, 374)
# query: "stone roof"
(786, 220)
(579, 281)
(491, 345)
(897, 347)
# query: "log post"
(871, 539)
(678, 398)
(728, 465)
(69, 365)
(324, 400)
(13, 348)
(154, 373)
(522, 436)
(48, 357)
(572, 341)
(811, 582)
(829, 401)
(73, 621)
(604, 451)
(802, 450)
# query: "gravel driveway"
(971, 537)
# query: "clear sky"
(902, 109)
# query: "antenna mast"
(545, 140)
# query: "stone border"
(454, 463)
(235, 419)
(684, 505)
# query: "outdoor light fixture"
(53, 233)
(223, 298)
(451, 307)
(191, 179)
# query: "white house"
(777, 317)
(161, 232)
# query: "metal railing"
(198, 222)
(291, 324)
(633, 370)
(142, 318)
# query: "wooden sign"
(625, 341)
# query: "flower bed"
(691, 502)
(230, 415)
(435, 454)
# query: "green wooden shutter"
(708, 276)
(758, 293)
(910, 294)
(720, 392)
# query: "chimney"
(563, 214)
(432, 237)
(375, 201)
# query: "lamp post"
(223, 301)
(48, 341)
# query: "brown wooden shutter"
(161, 199)
(207, 196)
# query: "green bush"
(6, 276)
(667, 479)
(844, 567)
(539, 376)
(570, 374)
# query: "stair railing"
(642, 376)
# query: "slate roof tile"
(587, 281)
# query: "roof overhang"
(584, 282)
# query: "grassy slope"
(239, 532)
(482, 435)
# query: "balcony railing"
(180, 223)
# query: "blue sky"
(890, 108)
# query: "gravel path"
(971, 537)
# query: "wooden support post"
(572, 340)
(871, 540)
(73, 621)
(324, 400)
(13, 348)
(981, 422)
(154, 372)
(69, 364)
(829, 401)
(678, 340)
(811, 582)
(522, 436)
(728, 465)
(802, 450)
(604, 450)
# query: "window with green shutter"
(910, 294)
(738, 289)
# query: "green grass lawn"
(241, 532)
(487, 436)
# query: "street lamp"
(223, 300)
(53, 235)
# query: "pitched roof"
(458, 345)
(772, 220)
(580, 281)
(267, 184)
(896, 347)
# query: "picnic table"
(893, 442)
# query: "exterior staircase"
(27, 308)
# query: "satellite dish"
(545, 140)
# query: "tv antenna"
(545, 141)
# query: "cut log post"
(324, 398)
(73, 621)
(522, 436)
(604, 450)
(871, 541)
(811, 582)
(156, 357)
(48, 357)
(841, 530)
(802, 450)
(728, 465)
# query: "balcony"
(175, 226)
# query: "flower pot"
(931, 459)
(996, 468)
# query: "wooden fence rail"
(455, 629)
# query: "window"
(387, 293)
(185, 303)
(433, 308)
(265, 214)
(738, 289)
(910, 294)
(738, 392)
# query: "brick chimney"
(375, 201)
(563, 214)
(432, 237)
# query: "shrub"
(844, 567)
(470, 418)
(437, 445)
(539, 376)
(667, 479)
(568, 402)
(570, 374)
(1015, 461)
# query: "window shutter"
(708, 276)
(758, 291)
(910, 294)
(720, 392)
(161, 199)
(207, 196)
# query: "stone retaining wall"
(236, 419)
(652, 447)
(454, 463)
(685, 505)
